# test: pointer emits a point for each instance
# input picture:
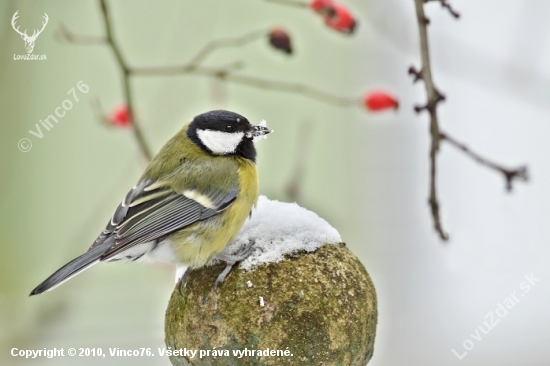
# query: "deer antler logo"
(29, 40)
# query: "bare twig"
(519, 173)
(109, 40)
(434, 97)
(294, 88)
(226, 74)
(445, 4)
(186, 69)
(194, 67)
(126, 83)
(296, 3)
(226, 42)
(196, 60)
(63, 34)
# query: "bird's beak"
(258, 131)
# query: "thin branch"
(226, 42)
(126, 83)
(194, 67)
(293, 88)
(434, 97)
(195, 61)
(186, 69)
(226, 74)
(108, 40)
(519, 173)
(299, 4)
(445, 4)
(63, 34)
(162, 70)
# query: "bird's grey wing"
(152, 210)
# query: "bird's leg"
(231, 260)
(241, 255)
(183, 280)
(222, 276)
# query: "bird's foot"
(222, 276)
(183, 280)
(241, 255)
(231, 260)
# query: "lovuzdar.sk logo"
(29, 40)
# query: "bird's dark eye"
(229, 128)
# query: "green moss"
(321, 306)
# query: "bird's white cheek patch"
(220, 142)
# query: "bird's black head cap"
(227, 127)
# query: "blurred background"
(365, 173)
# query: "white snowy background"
(493, 66)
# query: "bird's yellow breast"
(197, 244)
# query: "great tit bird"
(188, 205)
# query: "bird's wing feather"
(152, 210)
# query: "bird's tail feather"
(72, 268)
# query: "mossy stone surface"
(321, 306)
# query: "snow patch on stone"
(278, 229)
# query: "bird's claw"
(222, 276)
(231, 260)
(183, 280)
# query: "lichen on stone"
(320, 306)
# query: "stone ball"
(313, 308)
